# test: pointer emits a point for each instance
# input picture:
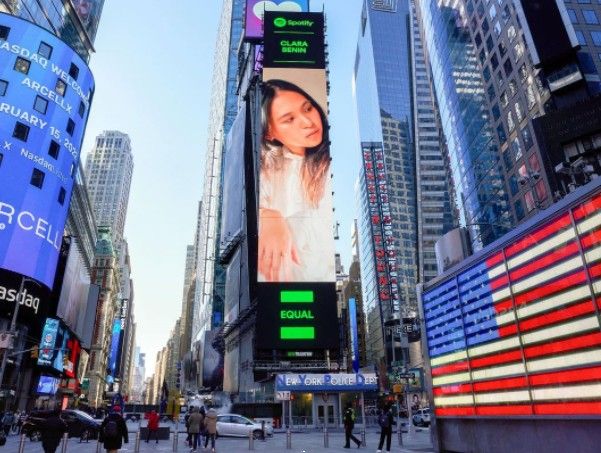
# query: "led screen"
(255, 9)
(45, 94)
(48, 342)
(518, 332)
(114, 353)
(47, 385)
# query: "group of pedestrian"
(385, 420)
(201, 423)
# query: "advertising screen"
(296, 253)
(114, 353)
(47, 385)
(46, 90)
(61, 354)
(517, 332)
(48, 342)
(255, 10)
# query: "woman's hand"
(276, 245)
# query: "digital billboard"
(115, 352)
(296, 253)
(45, 95)
(47, 385)
(517, 332)
(255, 10)
(48, 342)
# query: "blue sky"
(153, 68)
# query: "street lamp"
(13, 325)
(393, 324)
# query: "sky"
(153, 68)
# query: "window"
(518, 48)
(573, 17)
(494, 61)
(513, 185)
(529, 199)
(496, 112)
(21, 131)
(40, 104)
(523, 73)
(513, 87)
(3, 87)
(478, 39)
(527, 138)
(504, 99)
(491, 93)
(492, 11)
(519, 210)
(486, 73)
(596, 35)
(581, 38)
(489, 43)
(502, 49)
(584, 2)
(530, 96)
(61, 196)
(74, 71)
(81, 110)
(516, 149)
(501, 134)
(586, 63)
(4, 31)
(505, 15)
(54, 149)
(497, 28)
(45, 50)
(485, 27)
(518, 112)
(510, 122)
(511, 33)
(590, 17)
(61, 87)
(508, 67)
(37, 178)
(541, 191)
(70, 126)
(22, 65)
(534, 164)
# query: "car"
(421, 417)
(239, 426)
(79, 424)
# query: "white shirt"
(312, 228)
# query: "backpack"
(383, 420)
(111, 429)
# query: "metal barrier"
(22, 443)
(251, 440)
(288, 439)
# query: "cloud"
(272, 6)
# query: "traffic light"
(35, 352)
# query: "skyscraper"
(109, 168)
(401, 215)
(209, 296)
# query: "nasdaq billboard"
(45, 95)
(296, 254)
(517, 332)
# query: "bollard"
(363, 440)
(326, 437)
(251, 440)
(22, 443)
(65, 440)
(175, 440)
(263, 435)
(400, 433)
(137, 444)
(288, 439)
(98, 445)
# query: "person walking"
(7, 422)
(53, 429)
(187, 422)
(113, 431)
(210, 423)
(385, 420)
(195, 421)
(153, 426)
(349, 424)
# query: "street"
(306, 442)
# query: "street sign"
(406, 375)
(282, 395)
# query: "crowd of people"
(201, 424)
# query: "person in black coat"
(53, 429)
(113, 430)
(349, 424)
(385, 420)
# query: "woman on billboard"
(295, 205)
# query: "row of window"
(37, 180)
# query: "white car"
(421, 417)
(239, 426)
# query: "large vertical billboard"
(255, 10)
(516, 331)
(296, 268)
(45, 95)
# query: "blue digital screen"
(45, 95)
(47, 385)
(114, 352)
(48, 342)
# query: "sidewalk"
(308, 442)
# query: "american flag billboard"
(518, 333)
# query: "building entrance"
(326, 409)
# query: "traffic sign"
(282, 395)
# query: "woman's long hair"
(316, 163)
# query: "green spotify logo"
(279, 22)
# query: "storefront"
(315, 400)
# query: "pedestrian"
(188, 436)
(153, 426)
(7, 422)
(53, 429)
(210, 423)
(195, 421)
(349, 424)
(385, 420)
(113, 431)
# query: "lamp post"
(392, 324)
(13, 325)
